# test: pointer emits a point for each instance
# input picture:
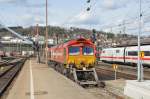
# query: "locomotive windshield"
(74, 50)
(88, 51)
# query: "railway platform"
(38, 81)
(137, 90)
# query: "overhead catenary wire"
(127, 21)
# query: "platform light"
(46, 33)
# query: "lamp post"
(37, 43)
(46, 35)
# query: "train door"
(111, 53)
(65, 55)
(124, 55)
(118, 54)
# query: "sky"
(116, 16)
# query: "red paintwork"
(57, 52)
(98, 52)
(2, 53)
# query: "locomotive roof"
(79, 40)
(74, 41)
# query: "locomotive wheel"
(65, 72)
(55, 67)
(61, 68)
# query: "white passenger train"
(126, 54)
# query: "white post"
(142, 74)
(139, 60)
(115, 74)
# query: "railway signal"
(115, 67)
(93, 36)
(142, 54)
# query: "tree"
(110, 35)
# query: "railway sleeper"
(9, 76)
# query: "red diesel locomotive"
(77, 58)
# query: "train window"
(132, 53)
(88, 51)
(117, 51)
(147, 53)
(74, 50)
(50, 54)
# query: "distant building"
(7, 38)
(51, 41)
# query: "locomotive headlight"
(84, 68)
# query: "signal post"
(115, 67)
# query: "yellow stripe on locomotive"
(82, 61)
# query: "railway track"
(105, 73)
(8, 60)
(7, 76)
(123, 67)
(110, 74)
(123, 71)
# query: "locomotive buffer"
(85, 77)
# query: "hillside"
(102, 39)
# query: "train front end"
(81, 61)
(81, 57)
